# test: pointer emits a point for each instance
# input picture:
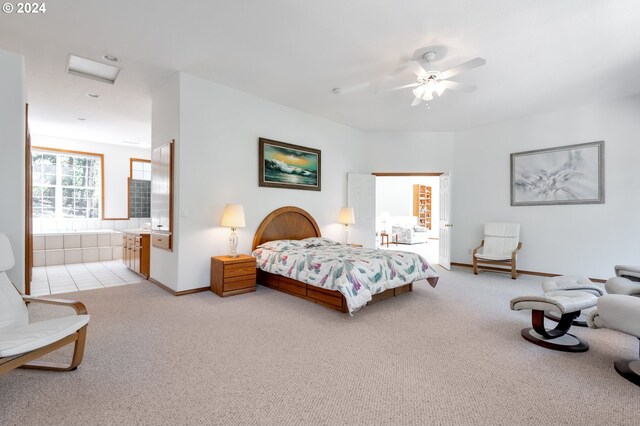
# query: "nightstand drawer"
(236, 283)
(240, 264)
(236, 272)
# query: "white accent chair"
(499, 248)
(21, 342)
(626, 281)
(620, 312)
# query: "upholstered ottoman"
(570, 283)
(568, 303)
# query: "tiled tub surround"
(60, 248)
(42, 225)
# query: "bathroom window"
(140, 169)
(66, 184)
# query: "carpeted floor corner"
(449, 355)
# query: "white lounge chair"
(21, 341)
(499, 248)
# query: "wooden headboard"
(286, 223)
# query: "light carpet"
(449, 355)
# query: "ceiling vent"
(92, 69)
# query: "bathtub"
(65, 247)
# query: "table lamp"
(233, 217)
(347, 218)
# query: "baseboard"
(520, 271)
(177, 293)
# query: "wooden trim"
(178, 293)
(28, 206)
(131, 160)
(520, 271)
(407, 173)
(102, 167)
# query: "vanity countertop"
(136, 231)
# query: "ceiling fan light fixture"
(440, 89)
(419, 91)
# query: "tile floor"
(81, 276)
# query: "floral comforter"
(357, 273)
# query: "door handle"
(448, 225)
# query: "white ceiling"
(541, 55)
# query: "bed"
(299, 268)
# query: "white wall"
(12, 142)
(409, 151)
(165, 126)
(219, 131)
(576, 239)
(116, 168)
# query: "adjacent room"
(296, 212)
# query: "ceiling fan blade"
(416, 101)
(474, 63)
(416, 67)
(454, 85)
(406, 86)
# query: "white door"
(361, 195)
(445, 225)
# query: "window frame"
(58, 151)
(136, 160)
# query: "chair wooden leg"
(78, 353)
(513, 272)
(475, 266)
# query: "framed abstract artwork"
(572, 174)
(283, 165)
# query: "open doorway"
(407, 213)
(90, 203)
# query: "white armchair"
(620, 312)
(21, 341)
(499, 248)
(626, 281)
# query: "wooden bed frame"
(293, 223)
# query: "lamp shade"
(346, 216)
(233, 216)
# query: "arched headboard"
(286, 223)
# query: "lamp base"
(233, 244)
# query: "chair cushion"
(558, 301)
(6, 254)
(627, 271)
(571, 282)
(509, 230)
(620, 285)
(26, 338)
(618, 312)
(13, 310)
(493, 257)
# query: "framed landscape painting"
(284, 165)
(572, 174)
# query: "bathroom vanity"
(135, 251)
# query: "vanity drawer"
(162, 241)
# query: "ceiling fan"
(432, 82)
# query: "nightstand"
(233, 275)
